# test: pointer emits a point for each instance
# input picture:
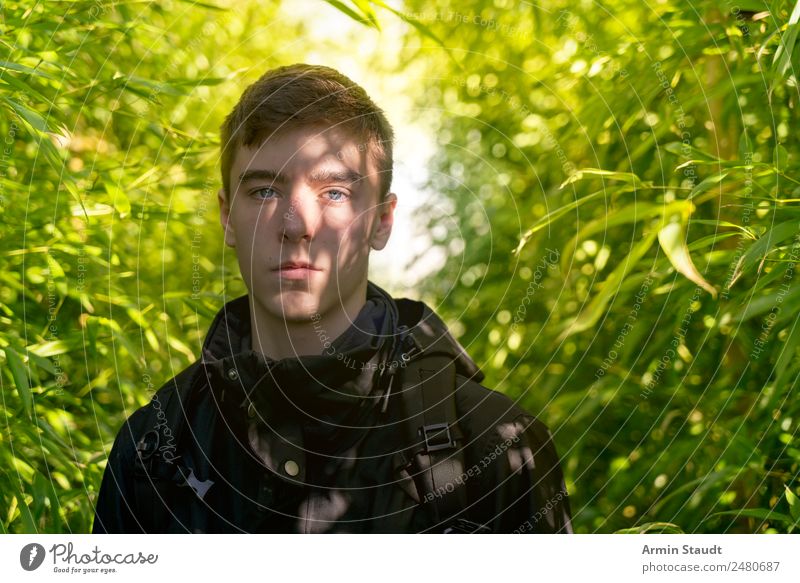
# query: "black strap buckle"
(411, 346)
(437, 436)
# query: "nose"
(300, 217)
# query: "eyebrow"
(317, 177)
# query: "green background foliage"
(616, 198)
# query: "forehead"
(298, 152)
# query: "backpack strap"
(157, 462)
(436, 450)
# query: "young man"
(320, 403)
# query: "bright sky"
(362, 53)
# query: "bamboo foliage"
(622, 234)
(628, 205)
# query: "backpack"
(435, 453)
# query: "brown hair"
(303, 95)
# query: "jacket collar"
(229, 333)
(321, 403)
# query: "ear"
(225, 217)
(383, 228)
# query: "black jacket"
(256, 450)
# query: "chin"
(293, 310)
(298, 317)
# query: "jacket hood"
(230, 331)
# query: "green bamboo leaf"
(732, 164)
(758, 251)
(672, 238)
(31, 118)
(199, 307)
(202, 82)
(120, 337)
(205, 5)
(719, 223)
(28, 523)
(589, 316)
(767, 302)
(682, 150)
(92, 334)
(794, 505)
(342, 7)
(43, 363)
(20, 376)
(367, 10)
(584, 173)
(23, 69)
(554, 215)
(780, 157)
(745, 146)
(137, 316)
(791, 305)
(703, 242)
(788, 353)
(75, 193)
(706, 184)
(99, 380)
(152, 339)
(55, 270)
(25, 89)
(652, 528)
(632, 213)
(426, 31)
(762, 514)
(146, 88)
(118, 198)
(782, 60)
(751, 5)
(767, 280)
(39, 493)
(54, 347)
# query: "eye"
(265, 193)
(337, 195)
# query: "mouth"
(295, 269)
(295, 265)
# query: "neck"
(277, 338)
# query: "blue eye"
(337, 195)
(267, 189)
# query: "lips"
(295, 270)
(289, 265)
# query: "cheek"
(253, 228)
(353, 249)
(356, 226)
(341, 231)
(255, 224)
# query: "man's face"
(308, 197)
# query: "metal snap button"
(148, 444)
(232, 374)
(291, 468)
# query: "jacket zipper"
(414, 351)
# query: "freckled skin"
(331, 224)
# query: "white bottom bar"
(389, 558)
